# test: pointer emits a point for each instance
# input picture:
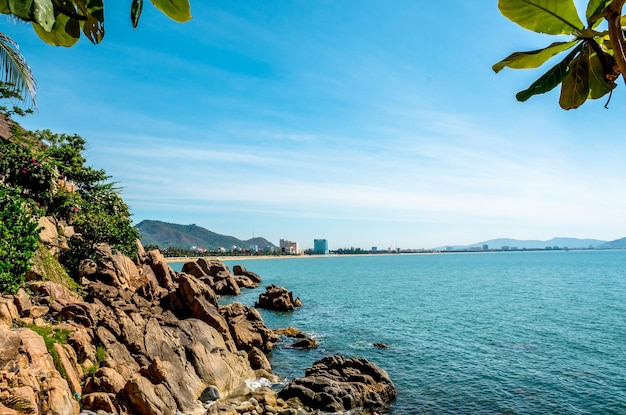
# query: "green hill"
(166, 235)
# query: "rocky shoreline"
(140, 338)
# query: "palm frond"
(15, 70)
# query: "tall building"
(320, 247)
(290, 248)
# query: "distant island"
(176, 240)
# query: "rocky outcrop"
(151, 340)
(278, 299)
(215, 274)
(338, 384)
(245, 278)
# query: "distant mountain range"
(571, 243)
(165, 235)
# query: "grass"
(52, 336)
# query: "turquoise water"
(488, 333)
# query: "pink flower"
(24, 170)
(75, 209)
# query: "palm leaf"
(15, 70)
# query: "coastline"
(261, 257)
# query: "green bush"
(19, 235)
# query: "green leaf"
(594, 9)
(177, 10)
(550, 79)
(22, 9)
(135, 12)
(93, 25)
(65, 31)
(575, 86)
(598, 87)
(4, 7)
(554, 17)
(43, 13)
(532, 59)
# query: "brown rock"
(22, 302)
(100, 401)
(193, 268)
(164, 274)
(291, 332)
(73, 372)
(147, 398)
(39, 311)
(248, 328)
(258, 360)
(338, 384)
(8, 311)
(223, 280)
(276, 298)
(221, 409)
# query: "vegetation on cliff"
(44, 174)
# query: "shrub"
(19, 234)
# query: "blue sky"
(365, 122)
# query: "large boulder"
(278, 299)
(247, 327)
(339, 384)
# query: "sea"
(540, 332)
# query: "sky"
(363, 122)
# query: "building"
(289, 248)
(320, 247)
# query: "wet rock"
(307, 343)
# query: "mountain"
(572, 243)
(164, 235)
(616, 244)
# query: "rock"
(147, 398)
(307, 343)
(192, 268)
(221, 409)
(223, 280)
(22, 302)
(49, 235)
(338, 384)
(73, 372)
(8, 311)
(245, 278)
(241, 270)
(247, 328)
(100, 401)
(39, 311)
(276, 298)
(50, 292)
(258, 360)
(211, 393)
(291, 332)
(381, 345)
(105, 380)
(28, 377)
(162, 270)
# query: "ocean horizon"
(469, 333)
